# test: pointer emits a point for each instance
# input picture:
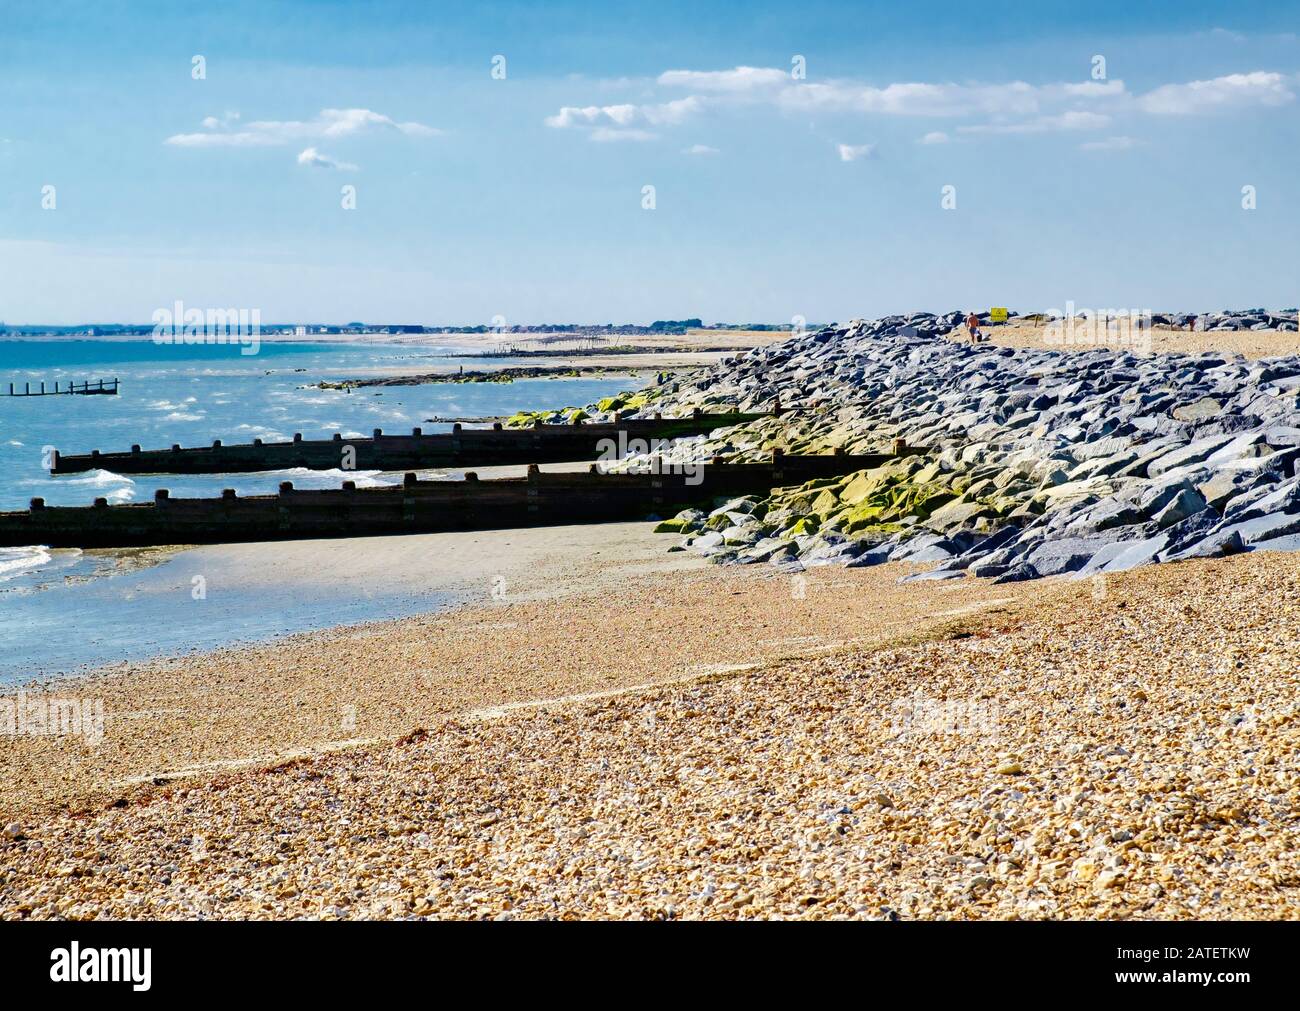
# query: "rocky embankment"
(504, 375)
(1035, 462)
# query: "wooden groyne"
(461, 447)
(540, 499)
(99, 388)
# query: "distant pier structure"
(85, 388)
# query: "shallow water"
(61, 609)
(103, 613)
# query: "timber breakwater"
(415, 507)
(461, 447)
(1042, 461)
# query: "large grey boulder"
(1121, 555)
(1263, 528)
(1214, 545)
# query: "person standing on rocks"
(973, 325)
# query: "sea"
(63, 611)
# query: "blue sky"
(775, 196)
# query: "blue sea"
(61, 610)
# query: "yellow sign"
(997, 315)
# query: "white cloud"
(220, 122)
(1014, 98)
(1095, 89)
(1109, 144)
(1074, 120)
(740, 79)
(604, 135)
(329, 123)
(1231, 91)
(606, 120)
(854, 152)
(314, 159)
(1013, 107)
(589, 115)
(240, 139)
(700, 149)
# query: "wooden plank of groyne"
(100, 388)
(540, 499)
(461, 447)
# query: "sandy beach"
(1249, 344)
(542, 614)
(1122, 749)
(640, 355)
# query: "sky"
(608, 162)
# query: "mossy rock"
(879, 531)
(860, 486)
(805, 525)
(575, 414)
(673, 526)
(929, 472)
(826, 501)
(862, 517)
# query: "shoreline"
(628, 613)
(1094, 769)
